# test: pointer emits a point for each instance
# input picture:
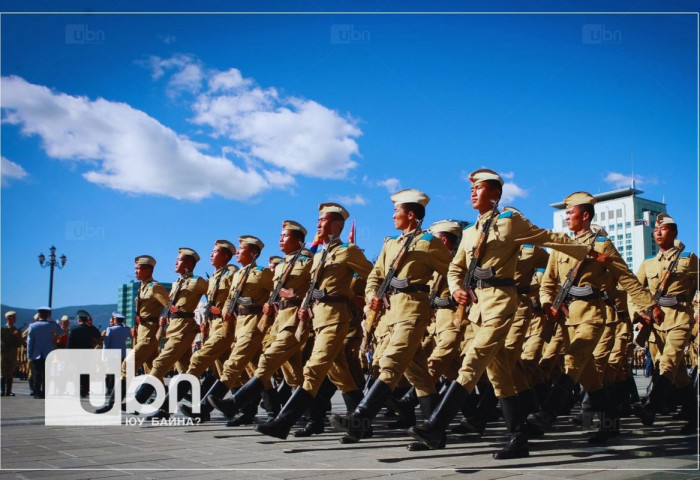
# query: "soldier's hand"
(163, 321)
(174, 308)
(600, 257)
(550, 312)
(375, 304)
(266, 308)
(303, 314)
(658, 315)
(215, 310)
(204, 328)
(461, 297)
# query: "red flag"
(351, 237)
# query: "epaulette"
(685, 254)
(151, 284)
(260, 268)
(194, 277)
(390, 237)
(344, 245)
(527, 245)
(601, 239)
(539, 269)
(507, 214)
(427, 237)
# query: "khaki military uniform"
(217, 346)
(493, 314)
(11, 341)
(444, 358)
(285, 349)
(587, 315)
(182, 329)
(332, 315)
(534, 342)
(152, 297)
(353, 340)
(254, 294)
(673, 335)
(409, 313)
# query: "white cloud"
(11, 171)
(187, 75)
(347, 200)
(167, 39)
(391, 184)
(620, 180)
(126, 149)
(511, 191)
(507, 175)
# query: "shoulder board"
(507, 214)
(427, 237)
(259, 268)
(539, 269)
(601, 239)
(685, 254)
(527, 245)
(650, 257)
(344, 245)
(151, 284)
(390, 237)
(194, 277)
(303, 258)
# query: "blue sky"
(132, 134)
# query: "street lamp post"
(52, 263)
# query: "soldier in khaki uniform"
(182, 328)
(534, 343)
(492, 315)
(408, 314)
(585, 321)
(11, 341)
(331, 320)
(149, 303)
(285, 348)
(216, 345)
(673, 334)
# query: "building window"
(602, 216)
(622, 248)
(611, 227)
(618, 213)
(628, 224)
(619, 237)
(629, 260)
(628, 235)
(619, 226)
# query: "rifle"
(267, 319)
(645, 327)
(236, 296)
(305, 304)
(371, 320)
(166, 310)
(477, 256)
(571, 277)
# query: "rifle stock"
(267, 320)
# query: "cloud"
(347, 200)
(511, 191)
(187, 73)
(391, 184)
(11, 171)
(167, 39)
(620, 180)
(126, 149)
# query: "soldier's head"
(448, 232)
(665, 231)
(249, 248)
(10, 317)
(579, 211)
(487, 187)
(186, 260)
(65, 322)
(143, 267)
(117, 318)
(222, 253)
(44, 313)
(331, 220)
(409, 208)
(292, 237)
(83, 317)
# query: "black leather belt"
(440, 303)
(583, 293)
(322, 296)
(289, 303)
(181, 315)
(672, 300)
(483, 277)
(148, 319)
(248, 309)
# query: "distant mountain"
(100, 314)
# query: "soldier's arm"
(201, 286)
(357, 261)
(549, 284)
(376, 276)
(693, 274)
(266, 280)
(160, 294)
(525, 232)
(540, 257)
(627, 280)
(439, 256)
(457, 268)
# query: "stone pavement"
(29, 449)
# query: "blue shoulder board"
(391, 237)
(507, 214)
(527, 245)
(260, 268)
(427, 237)
(344, 245)
(601, 239)
(194, 277)
(151, 284)
(539, 269)
(685, 254)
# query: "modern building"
(126, 301)
(628, 219)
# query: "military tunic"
(11, 341)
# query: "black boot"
(688, 397)
(542, 391)
(656, 400)
(110, 401)
(8, 387)
(284, 391)
(405, 408)
(218, 390)
(514, 417)
(3, 381)
(528, 403)
(601, 401)
(556, 400)
(243, 397)
(358, 424)
(316, 415)
(271, 403)
(428, 404)
(621, 398)
(632, 388)
(293, 409)
(183, 388)
(476, 423)
(432, 433)
(144, 392)
(247, 414)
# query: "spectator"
(84, 335)
(40, 342)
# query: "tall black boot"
(358, 424)
(293, 409)
(284, 391)
(271, 403)
(689, 402)
(428, 404)
(8, 387)
(316, 416)
(621, 398)
(557, 399)
(144, 392)
(632, 387)
(218, 390)
(601, 401)
(183, 388)
(476, 423)
(528, 403)
(656, 400)
(514, 417)
(247, 414)
(432, 433)
(542, 391)
(3, 381)
(243, 397)
(405, 408)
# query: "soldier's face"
(324, 226)
(288, 242)
(244, 256)
(11, 320)
(481, 197)
(182, 265)
(143, 272)
(402, 219)
(664, 236)
(574, 219)
(218, 257)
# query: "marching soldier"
(673, 334)
(329, 312)
(11, 341)
(585, 321)
(491, 314)
(182, 328)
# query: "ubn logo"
(63, 403)
(80, 34)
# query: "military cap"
(410, 195)
(483, 174)
(188, 251)
(118, 316)
(664, 219)
(292, 225)
(82, 314)
(333, 208)
(227, 245)
(145, 260)
(43, 309)
(64, 317)
(275, 259)
(10, 313)
(445, 226)
(251, 240)
(579, 198)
